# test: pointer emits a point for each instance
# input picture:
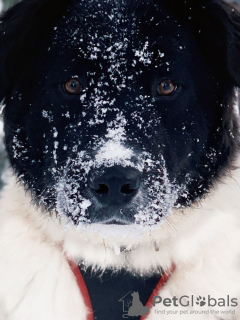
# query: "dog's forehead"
(98, 27)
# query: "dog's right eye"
(166, 88)
(73, 86)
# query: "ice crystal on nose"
(113, 154)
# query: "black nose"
(116, 185)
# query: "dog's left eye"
(166, 87)
(73, 86)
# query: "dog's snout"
(116, 185)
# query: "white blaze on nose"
(112, 150)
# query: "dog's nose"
(116, 185)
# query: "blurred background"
(7, 3)
(4, 5)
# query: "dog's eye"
(166, 88)
(73, 86)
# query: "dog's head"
(117, 111)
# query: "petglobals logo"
(132, 306)
(186, 301)
(186, 304)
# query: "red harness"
(84, 291)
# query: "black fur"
(193, 131)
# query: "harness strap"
(164, 279)
(84, 291)
(82, 287)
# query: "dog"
(121, 129)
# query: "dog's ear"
(216, 25)
(229, 19)
(23, 30)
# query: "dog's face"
(122, 111)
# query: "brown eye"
(73, 86)
(166, 88)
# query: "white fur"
(36, 282)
